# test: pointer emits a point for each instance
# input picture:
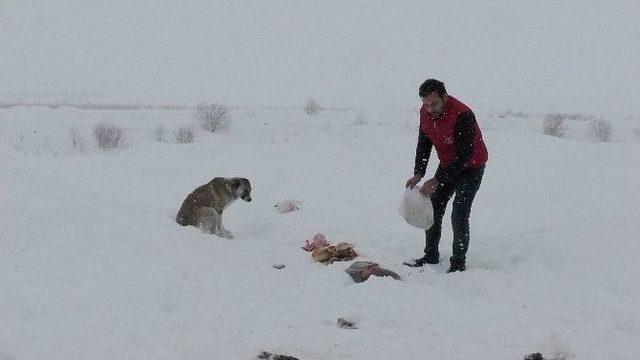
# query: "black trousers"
(465, 189)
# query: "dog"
(203, 207)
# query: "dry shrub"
(159, 134)
(311, 107)
(360, 120)
(212, 117)
(184, 135)
(37, 142)
(77, 142)
(600, 130)
(512, 114)
(553, 124)
(109, 137)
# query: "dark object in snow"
(346, 324)
(534, 356)
(386, 272)
(361, 270)
(278, 266)
(270, 356)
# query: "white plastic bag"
(288, 206)
(416, 209)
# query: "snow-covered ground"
(93, 266)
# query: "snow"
(94, 266)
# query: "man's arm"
(463, 138)
(423, 151)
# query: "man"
(450, 126)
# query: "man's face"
(434, 104)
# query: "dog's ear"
(236, 182)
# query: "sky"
(561, 56)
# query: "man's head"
(433, 96)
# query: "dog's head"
(242, 188)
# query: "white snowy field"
(93, 266)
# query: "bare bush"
(600, 130)
(212, 117)
(512, 114)
(184, 135)
(159, 134)
(34, 142)
(360, 119)
(109, 137)
(311, 107)
(553, 124)
(77, 142)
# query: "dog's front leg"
(219, 227)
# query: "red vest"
(440, 132)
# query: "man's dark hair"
(431, 85)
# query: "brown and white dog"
(203, 207)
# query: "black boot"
(426, 259)
(456, 265)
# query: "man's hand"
(429, 187)
(413, 181)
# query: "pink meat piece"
(318, 241)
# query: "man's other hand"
(413, 181)
(429, 187)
